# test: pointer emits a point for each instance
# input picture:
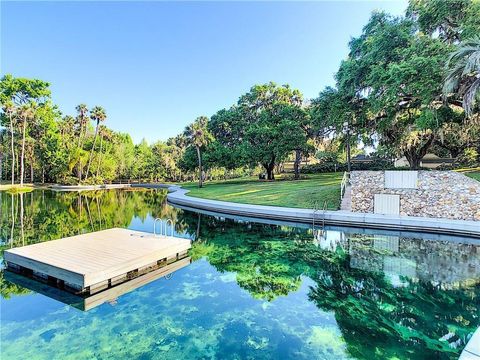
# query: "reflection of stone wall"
(441, 194)
(438, 262)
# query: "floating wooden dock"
(89, 263)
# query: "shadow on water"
(390, 296)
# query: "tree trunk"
(269, 168)
(296, 164)
(22, 165)
(79, 170)
(197, 233)
(31, 171)
(455, 152)
(99, 155)
(200, 168)
(91, 151)
(13, 221)
(413, 160)
(22, 233)
(1, 167)
(80, 136)
(415, 155)
(13, 150)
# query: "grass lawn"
(14, 189)
(300, 194)
(474, 175)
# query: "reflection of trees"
(379, 318)
(265, 262)
(29, 218)
(47, 215)
(432, 310)
(7, 288)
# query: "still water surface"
(252, 290)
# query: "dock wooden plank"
(89, 259)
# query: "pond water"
(252, 290)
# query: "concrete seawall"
(177, 196)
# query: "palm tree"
(464, 74)
(27, 112)
(97, 114)
(3, 136)
(106, 134)
(82, 120)
(197, 135)
(30, 154)
(9, 109)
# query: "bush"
(324, 167)
(326, 156)
(469, 158)
(69, 180)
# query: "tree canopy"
(409, 85)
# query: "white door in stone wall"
(386, 204)
(401, 179)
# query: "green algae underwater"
(252, 291)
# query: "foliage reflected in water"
(264, 290)
(44, 215)
(392, 297)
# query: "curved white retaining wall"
(177, 196)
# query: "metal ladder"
(163, 227)
(163, 233)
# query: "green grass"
(474, 175)
(299, 194)
(473, 172)
(15, 189)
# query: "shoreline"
(177, 196)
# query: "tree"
(297, 123)
(394, 73)
(9, 110)
(82, 121)
(124, 155)
(26, 114)
(331, 110)
(198, 136)
(107, 135)
(98, 115)
(143, 165)
(464, 74)
(22, 92)
(451, 20)
(258, 129)
(3, 135)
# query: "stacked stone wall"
(439, 194)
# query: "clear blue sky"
(155, 66)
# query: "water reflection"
(391, 295)
(110, 295)
(331, 294)
(44, 215)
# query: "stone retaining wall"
(440, 194)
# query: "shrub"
(469, 158)
(323, 167)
